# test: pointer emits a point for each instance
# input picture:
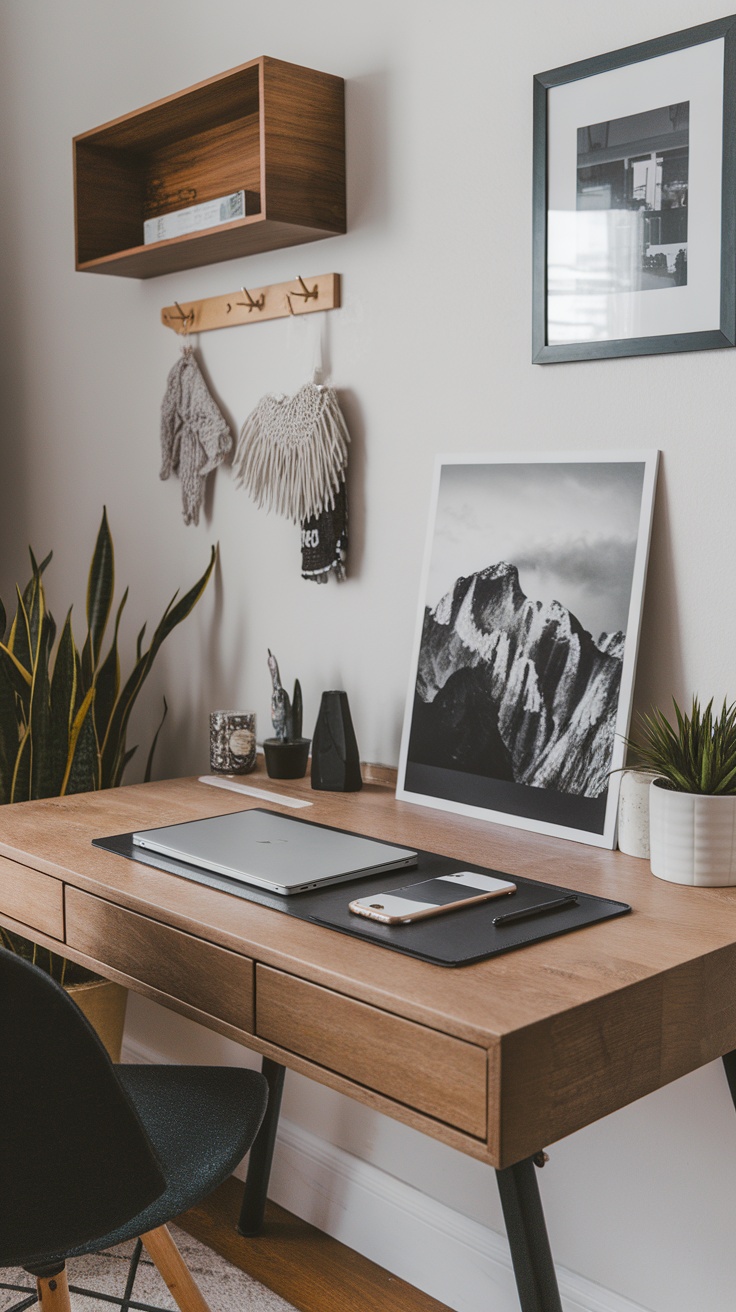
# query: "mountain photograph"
(515, 689)
(518, 676)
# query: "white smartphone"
(401, 906)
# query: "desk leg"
(261, 1154)
(729, 1062)
(534, 1269)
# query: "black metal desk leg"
(527, 1234)
(261, 1154)
(729, 1062)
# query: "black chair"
(93, 1154)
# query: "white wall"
(431, 353)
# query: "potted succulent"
(63, 726)
(692, 799)
(287, 752)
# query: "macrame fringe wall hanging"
(292, 458)
(195, 436)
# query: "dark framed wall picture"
(635, 199)
(526, 640)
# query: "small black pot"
(286, 760)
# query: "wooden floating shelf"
(273, 130)
(277, 301)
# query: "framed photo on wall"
(635, 199)
(526, 639)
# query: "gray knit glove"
(195, 437)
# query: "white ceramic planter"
(692, 837)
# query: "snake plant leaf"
(41, 781)
(20, 677)
(8, 732)
(113, 749)
(80, 690)
(82, 772)
(35, 609)
(19, 642)
(139, 642)
(21, 779)
(107, 679)
(149, 762)
(36, 572)
(30, 593)
(3, 622)
(100, 589)
(63, 703)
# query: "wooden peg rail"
(254, 304)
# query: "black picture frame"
(721, 334)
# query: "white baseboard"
(424, 1242)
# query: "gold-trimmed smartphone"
(432, 897)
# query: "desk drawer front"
(36, 900)
(207, 977)
(436, 1074)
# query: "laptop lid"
(273, 851)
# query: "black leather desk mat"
(456, 939)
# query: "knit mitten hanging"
(293, 452)
(195, 437)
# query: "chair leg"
(53, 1292)
(174, 1270)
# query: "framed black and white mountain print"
(634, 195)
(526, 641)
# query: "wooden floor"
(303, 1265)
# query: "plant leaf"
(8, 731)
(100, 588)
(696, 754)
(82, 772)
(107, 680)
(63, 702)
(113, 749)
(40, 713)
(149, 762)
(21, 677)
(20, 787)
(19, 642)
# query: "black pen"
(509, 917)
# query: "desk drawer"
(436, 1074)
(35, 899)
(212, 979)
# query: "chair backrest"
(75, 1161)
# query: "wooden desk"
(498, 1059)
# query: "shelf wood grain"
(272, 129)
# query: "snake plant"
(64, 716)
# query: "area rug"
(225, 1288)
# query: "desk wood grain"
(573, 1027)
(443, 1076)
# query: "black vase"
(335, 757)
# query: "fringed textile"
(293, 451)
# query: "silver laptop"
(274, 851)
